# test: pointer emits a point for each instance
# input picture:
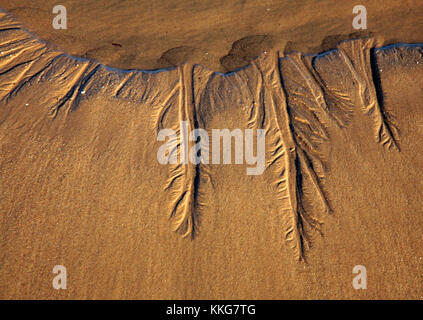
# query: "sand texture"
(219, 34)
(80, 184)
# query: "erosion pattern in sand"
(81, 185)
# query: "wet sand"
(81, 185)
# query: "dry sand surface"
(80, 181)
